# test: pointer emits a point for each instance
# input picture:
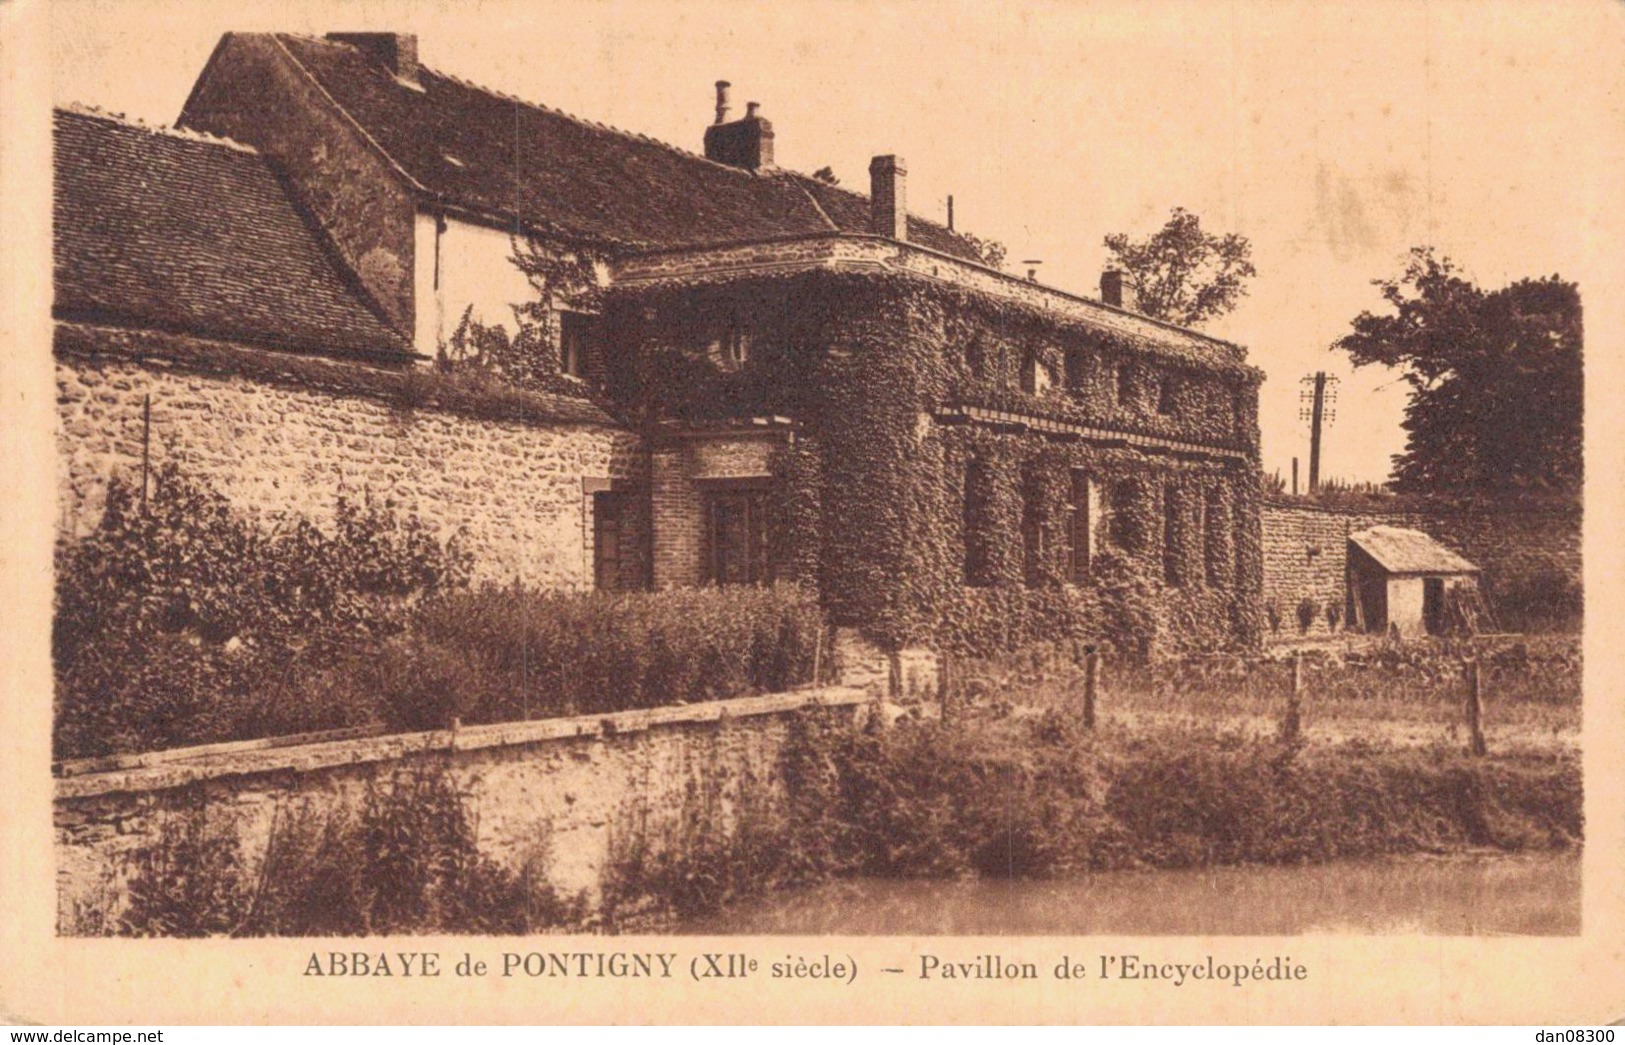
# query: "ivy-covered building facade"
(952, 456)
(826, 388)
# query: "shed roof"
(177, 231)
(1399, 550)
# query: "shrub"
(1547, 600)
(407, 860)
(179, 620)
(504, 653)
(1307, 612)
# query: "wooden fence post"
(818, 656)
(1091, 686)
(1475, 711)
(1293, 724)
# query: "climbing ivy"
(874, 501)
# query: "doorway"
(1433, 605)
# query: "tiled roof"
(1409, 551)
(508, 158)
(850, 212)
(178, 231)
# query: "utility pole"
(1294, 477)
(1320, 412)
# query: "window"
(1127, 527)
(733, 348)
(736, 536)
(576, 332)
(1032, 528)
(1077, 370)
(609, 548)
(973, 521)
(1080, 525)
(976, 357)
(1035, 376)
(1167, 393)
(1215, 529)
(1125, 384)
(1172, 532)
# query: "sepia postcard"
(848, 511)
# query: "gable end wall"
(254, 92)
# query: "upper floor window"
(1125, 384)
(1167, 394)
(1077, 370)
(576, 333)
(976, 360)
(1035, 376)
(731, 349)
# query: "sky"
(1334, 137)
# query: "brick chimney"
(395, 52)
(746, 143)
(1115, 290)
(888, 202)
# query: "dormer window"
(576, 330)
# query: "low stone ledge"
(183, 766)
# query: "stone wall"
(569, 786)
(518, 491)
(1306, 546)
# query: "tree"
(989, 252)
(1497, 385)
(1182, 274)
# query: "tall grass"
(1040, 797)
(1532, 683)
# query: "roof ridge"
(595, 124)
(136, 124)
(544, 107)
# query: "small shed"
(1398, 580)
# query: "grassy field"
(1412, 693)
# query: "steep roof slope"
(502, 156)
(179, 232)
